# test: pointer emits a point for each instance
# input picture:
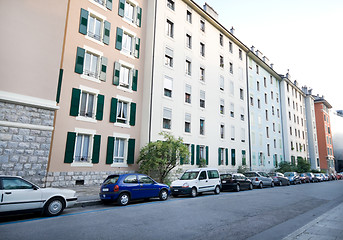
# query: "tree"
(303, 166)
(242, 169)
(286, 167)
(158, 158)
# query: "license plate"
(105, 189)
(224, 181)
(176, 190)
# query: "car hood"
(49, 192)
(181, 182)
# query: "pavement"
(328, 226)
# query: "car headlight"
(185, 185)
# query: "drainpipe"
(248, 105)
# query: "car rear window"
(213, 174)
(111, 179)
(189, 175)
(225, 176)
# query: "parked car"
(339, 176)
(196, 181)
(312, 177)
(19, 195)
(325, 178)
(293, 177)
(126, 187)
(260, 179)
(319, 176)
(279, 179)
(235, 182)
(304, 178)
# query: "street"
(270, 213)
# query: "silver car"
(260, 179)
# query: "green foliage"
(286, 167)
(315, 171)
(202, 163)
(243, 169)
(303, 165)
(158, 158)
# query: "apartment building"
(324, 134)
(195, 84)
(311, 129)
(266, 136)
(293, 120)
(96, 126)
(30, 60)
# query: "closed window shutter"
(59, 86)
(80, 56)
(96, 148)
(109, 4)
(83, 21)
(110, 149)
(138, 43)
(219, 160)
(227, 156)
(113, 113)
(119, 38)
(131, 151)
(107, 30)
(70, 145)
(207, 155)
(192, 154)
(198, 155)
(133, 114)
(139, 17)
(181, 160)
(121, 8)
(134, 80)
(100, 107)
(75, 102)
(116, 73)
(233, 157)
(103, 69)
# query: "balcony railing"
(94, 35)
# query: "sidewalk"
(87, 195)
(326, 227)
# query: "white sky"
(304, 36)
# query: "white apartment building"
(293, 121)
(195, 84)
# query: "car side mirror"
(35, 188)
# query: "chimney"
(295, 83)
(265, 59)
(232, 31)
(288, 75)
(252, 48)
(210, 11)
(304, 88)
(272, 65)
(258, 53)
(310, 91)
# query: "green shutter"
(134, 80)
(110, 149)
(192, 154)
(181, 160)
(121, 8)
(113, 113)
(227, 156)
(100, 107)
(70, 145)
(132, 114)
(233, 157)
(116, 73)
(107, 30)
(138, 43)
(131, 151)
(207, 152)
(59, 86)
(219, 160)
(75, 102)
(80, 56)
(103, 69)
(109, 4)
(244, 161)
(83, 21)
(96, 148)
(119, 38)
(139, 17)
(198, 155)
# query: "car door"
(18, 194)
(264, 178)
(213, 179)
(244, 182)
(203, 182)
(148, 187)
(130, 183)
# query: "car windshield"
(287, 174)
(250, 174)
(273, 174)
(189, 175)
(111, 179)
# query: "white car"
(19, 195)
(196, 181)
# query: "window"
(266, 115)
(168, 86)
(221, 156)
(15, 183)
(240, 54)
(129, 11)
(267, 132)
(289, 116)
(289, 102)
(202, 25)
(170, 28)
(82, 148)
(168, 59)
(242, 135)
(231, 67)
(232, 88)
(171, 4)
(188, 67)
(222, 130)
(189, 16)
(277, 97)
(278, 112)
(202, 49)
(257, 69)
(265, 82)
(258, 85)
(127, 43)
(127, 75)
(233, 157)
(87, 104)
(221, 61)
(131, 179)
(271, 95)
(167, 116)
(232, 132)
(221, 83)
(241, 94)
(119, 150)
(230, 47)
(122, 110)
(188, 92)
(273, 111)
(221, 39)
(290, 130)
(273, 127)
(221, 106)
(188, 41)
(232, 110)
(91, 66)
(94, 27)
(187, 123)
(265, 98)
(242, 113)
(251, 101)
(202, 99)
(145, 179)
(202, 126)
(202, 74)
(268, 150)
(258, 103)
(274, 143)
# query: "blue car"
(126, 187)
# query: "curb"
(87, 203)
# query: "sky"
(304, 36)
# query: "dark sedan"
(235, 182)
(279, 179)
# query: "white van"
(196, 181)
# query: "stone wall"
(24, 142)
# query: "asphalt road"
(270, 213)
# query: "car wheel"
(54, 207)
(251, 187)
(163, 195)
(217, 190)
(272, 184)
(288, 183)
(260, 185)
(194, 192)
(123, 199)
(280, 184)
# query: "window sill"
(81, 164)
(122, 125)
(94, 40)
(124, 89)
(128, 21)
(86, 119)
(119, 165)
(99, 5)
(125, 53)
(90, 78)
